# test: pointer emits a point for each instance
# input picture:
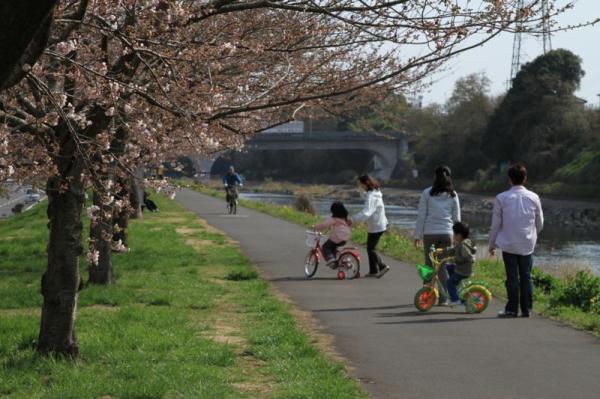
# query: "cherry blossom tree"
(124, 83)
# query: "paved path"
(400, 353)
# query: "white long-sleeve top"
(436, 213)
(516, 222)
(373, 212)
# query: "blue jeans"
(453, 280)
(519, 287)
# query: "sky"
(494, 58)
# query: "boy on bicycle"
(463, 255)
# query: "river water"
(557, 248)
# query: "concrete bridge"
(384, 150)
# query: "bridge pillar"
(203, 165)
(385, 159)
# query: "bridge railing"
(324, 136)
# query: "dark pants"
(518, 282)
(454, 280)
(439, 241)
(330, 248)
(231, 194)
(375, 262)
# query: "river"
(557, 248)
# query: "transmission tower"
(516, 53)
(546, 37)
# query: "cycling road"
(398, 352)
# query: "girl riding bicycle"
(339, 230)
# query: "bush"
(595, 305)
(544, 281)
(303, 204)
(580, 290)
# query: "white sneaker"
(454, 303)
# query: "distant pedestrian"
(374, 213)
(517, 220)
(439, 209)
(148, 203)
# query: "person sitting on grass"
(463, 257)
(339, 230)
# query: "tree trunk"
(136, 193)
(101, 239)
(121, 216)
(61, 281)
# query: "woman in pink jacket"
(339, 230)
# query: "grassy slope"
(187, 318)
(400, 247)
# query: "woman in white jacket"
(374, 214)
(439, 209)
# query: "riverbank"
(189, 317)
(560, 246)
(569, 297)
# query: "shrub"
(18, 208)
(595, 305)
(544, 281)
(579, 290)
(303, 204)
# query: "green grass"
(396, 245)
(187, 318)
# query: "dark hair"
(370, 182)
(442, 183)
(462, 229)
(338, 210)
(517, 173)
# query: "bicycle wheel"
(350, 265)
(425, 298)
(311, 263)
(477, 299)
(234, 208)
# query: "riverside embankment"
(571, 237)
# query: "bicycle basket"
(425, 272)
(312, 238)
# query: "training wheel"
(341, 275)
(426, 298)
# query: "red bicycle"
(347, 259)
